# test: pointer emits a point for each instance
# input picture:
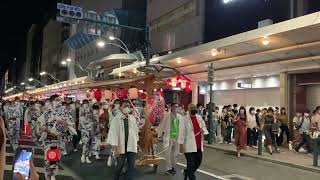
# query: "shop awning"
(294, 46)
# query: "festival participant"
(14, 113)
(96, 133)
(35, 113)
(191, 131)
(57, 124)
(123, 137)
(86, 125)
(170, 130)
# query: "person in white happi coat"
(123, 137)
(32, 113)
(191, 131)
(14, 115)
(57, 124)
(86, 119)
(169, 128)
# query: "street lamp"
(22, 83)
(101, 44)
(77, 64)
(226, 1)
(31, 79)
(46, 73)
(112, 38)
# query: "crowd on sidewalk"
(241, 126)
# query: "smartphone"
(21, 163)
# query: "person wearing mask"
(235, 109)
(66, 138)
(296, 138)
(252, 134)
(228, 119)
(14, 115)
(57, 124)
(169, 127)
(104, 120)
(283, 118)
(267, 121)
(35, 113)
(115, 109)
(96, 133)
(191, 131)
(304, 128)
(123, 137)
(240, 130)
(200, 109)
(219, 117)
(86, 126)
(76, 138)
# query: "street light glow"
(30, 79)
(265, 42)
(226, 1)
(22, 83)
(43, 73)
(101, 44)
(214, 52)
(63, 62)
(68, 59)
(112, 38)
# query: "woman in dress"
(240, 130)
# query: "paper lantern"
(97, 95)
(183, 84)
(133, 93)
(120, 94)
(143, 96)
(174, 82)
(108, 94)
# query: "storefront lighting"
(214, 52)
(179, 60)
(227, 1)
(22, 83)
(265, 41)
(63, 62)
(30, 79)
(68, 59)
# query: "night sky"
(16, 19)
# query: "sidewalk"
(285, 157)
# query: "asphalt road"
(215, 163)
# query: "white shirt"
(251, 121)
(116, 136)
(165, 128)
(186, 133)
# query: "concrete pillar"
(194, 89)
(284, 90)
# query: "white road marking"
(204, 172)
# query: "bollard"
(260, 142)
(316, 150)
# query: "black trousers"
(252, 137)
(193, 163)
(76, 139)
(129, 159)
(284, 129)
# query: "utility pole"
(210, 118)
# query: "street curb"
(311, 169)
